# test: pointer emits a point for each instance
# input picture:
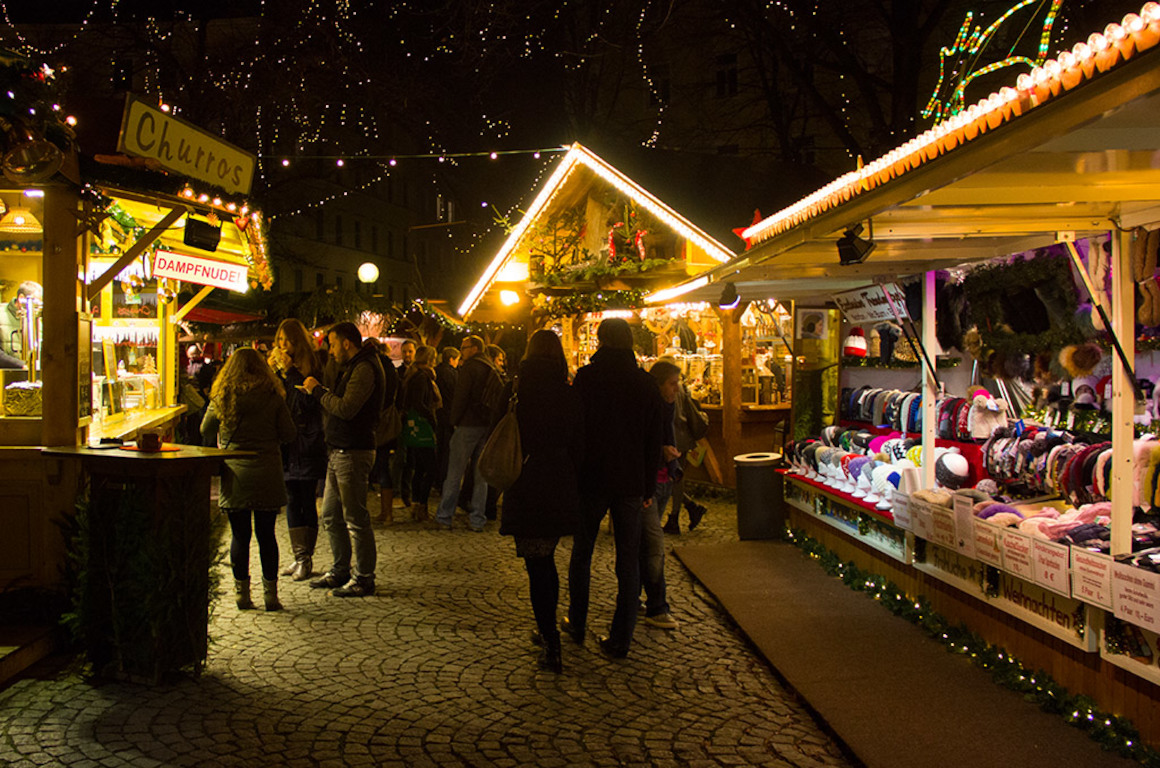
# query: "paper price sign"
(988, 543)
(1052, 563)
(1136, 593)
(943, 528)
(1091, 577)
(900, 507)
(1017, 556)
(964, 524)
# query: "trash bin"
(760, 507)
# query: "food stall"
(1042, 196)
(592, 245)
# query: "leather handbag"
(389, 426)
(502, 458)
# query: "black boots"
(696, 512)
(550, 656)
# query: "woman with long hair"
(294, 358)
(419, 399)
(247, 411)
(544, 502)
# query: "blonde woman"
(247, 412)
(294, 358)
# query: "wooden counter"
(128, 425)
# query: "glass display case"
(21, 279)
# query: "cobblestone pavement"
(435, 670)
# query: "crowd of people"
(331, 420)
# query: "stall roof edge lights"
(1085, 61)
(580, 155)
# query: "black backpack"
(493, 388)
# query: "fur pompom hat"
(1044, 370)
(1080, 360)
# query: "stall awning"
(1067, 150)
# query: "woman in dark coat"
(293, 358)
(419, 400)
(247, 412)
(544, 502)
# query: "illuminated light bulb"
(509, 298)
(285, 163)
(1097, 42)
(217, 201)
(1133, 24)
(536, 155)
(392, 162)
(187, 192)
(70, 120)
(232, 207)
(493, 155)
(1071, 74)
(1114, 33)
(202, 198)
(1148, 33)
(340, 162)
(165, 107)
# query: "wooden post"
(730, 389)
(62, 291)
(1123, 393)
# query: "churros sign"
(194, 269)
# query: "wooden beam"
(129, 256)
(185, 308)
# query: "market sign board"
(183, 148)
(870, 304)
(195, 269)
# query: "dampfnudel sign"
(184, 148)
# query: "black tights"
(240, 542)
(544, 583)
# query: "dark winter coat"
(467, 407)
(544, 502)
(352, 407)
(446, 375)
(622, 426)
(252, 482)
(418, 392)
(305, 457)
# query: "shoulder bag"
(502, 458)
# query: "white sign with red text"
(195, 269)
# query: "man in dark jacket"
(472, 420)
(351, 407)
(446, 374)
(622, 452)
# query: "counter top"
(134, 421)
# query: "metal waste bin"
(760, 507)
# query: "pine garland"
(1112, 732)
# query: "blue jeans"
(344, 511)
(652, 553)
(626, 525)
(466, 443)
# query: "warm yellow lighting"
(509, 298)
(368, 272)
(513, 272)
(19, 220)
(668, 294)
(579, 155)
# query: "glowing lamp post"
(368, 273)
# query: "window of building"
(319, 225)
(374, 238)
(726, 75)
(298, 279)
(390, 243)
(358, 234)
(338, 281)
(318, 279)
(338, 230)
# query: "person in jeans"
(247, 412)
(622, 451)
(293, 358)
(472, 421)
(652, 540)
(352, 405)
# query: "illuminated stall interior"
(21, 290)
(135, 312)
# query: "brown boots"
(418, 512)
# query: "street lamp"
(368, 272)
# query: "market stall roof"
(1071, 149)
(579, 172)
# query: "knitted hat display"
(1080, 360)
(952, 470)
(986, 414)
(1084, 392)
(988, 486)
(855, 343)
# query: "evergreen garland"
(1112, 732)
(592, 272)
(581, 303)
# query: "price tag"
(943, 528)
(1091, 577)
(964, 524)
(1136, 594)
(1065, 389)
(1070, 420)
(1052, 566)
(1017, 556)
(900, 507)
(988, 543)
(920, 519)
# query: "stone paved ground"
(436, 669)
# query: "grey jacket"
(252, 482)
